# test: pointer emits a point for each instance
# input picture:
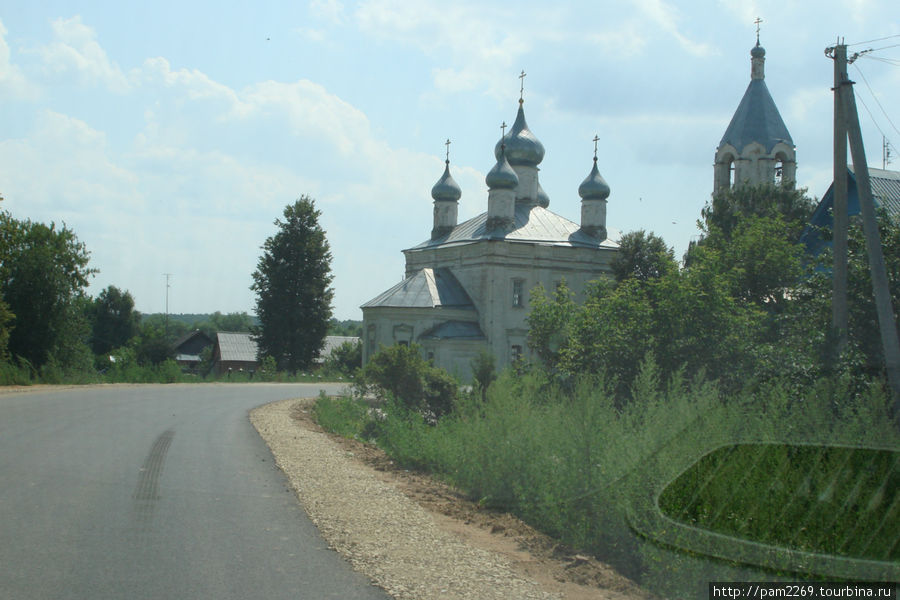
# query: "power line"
(875, 40)
(884, 112)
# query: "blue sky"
(170, 135)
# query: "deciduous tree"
(43, 272)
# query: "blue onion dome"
(522, 147)
(594, 187)
(446, 188)
(502, 176)
(543, 200)
(758, 51)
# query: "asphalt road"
(158, 491)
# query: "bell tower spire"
(757, 148)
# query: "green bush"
(400, 372)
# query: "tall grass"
(572, 459)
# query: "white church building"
(467, 286)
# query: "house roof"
(756, 120)
(189, 337)
(237, 347)
(427, 288)
(885, 192)
(533, 225)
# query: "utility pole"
(886, 321)
(839, 319)
(168, 276)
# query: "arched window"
(779, 174)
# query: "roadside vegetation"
(53, 332)
(658, 367)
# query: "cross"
(522, 87)
(503, 130)
(757, 21)
(596, 139)
(447, 143)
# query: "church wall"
(499, 277)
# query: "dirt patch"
(557, 569)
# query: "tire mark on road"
(147, 491)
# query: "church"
(467, 286)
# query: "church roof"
(756, 120)
(533, 224)
(427, 288)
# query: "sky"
(169, 136)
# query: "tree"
(43, 273)
(402, 373)
(291, 281)
(114, 320)
(728, 207)
(643, 256)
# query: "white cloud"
(328, 10)
(475, 39)
(76, 48)
(666, 17)
(12, 81)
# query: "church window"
(515, 352)
(518, 293)
(779, 169)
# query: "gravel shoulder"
(417, 538)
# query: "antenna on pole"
(167, 276)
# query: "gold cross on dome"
(503, 130)
(757, 21)
(447, 143)
(596, 139)
(522, 87)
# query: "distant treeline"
(239, 322)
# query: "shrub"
(400, 372)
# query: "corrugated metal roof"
(756, 120)
(533, 224)
(454, 330)
(332, 342)
(885, 191)
(237, 346)
(427, 288)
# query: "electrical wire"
(875, 40)
(884, 112)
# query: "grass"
(571, 460)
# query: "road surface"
(157, 491)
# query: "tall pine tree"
(291, 281)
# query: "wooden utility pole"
(886, 320)
(839, 321)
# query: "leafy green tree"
(643, 256)
(346, 358)
(152, 346)
(550, 322)
(484, 372)
(402, 373)
(291, 281)
(6, 318)
(114, 320)
(43, 272)
(727, 208)
(232, 322)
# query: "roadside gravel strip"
(383, 534)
